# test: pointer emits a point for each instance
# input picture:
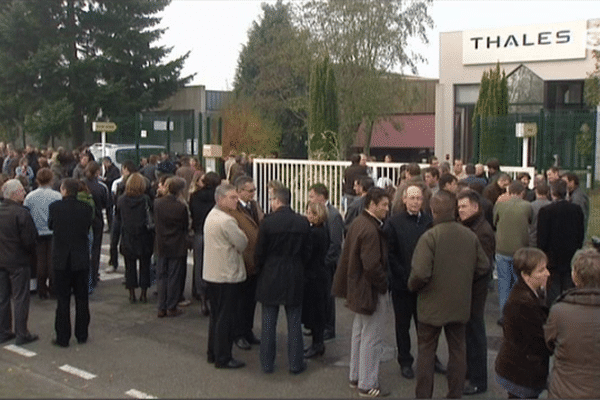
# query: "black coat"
(560, 233)
(403, 232)
(131, 221)
(201, 202)
(282, 252)
(17, 235)
(70, 219)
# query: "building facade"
(545, 65)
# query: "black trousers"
(476, 338)
(559, 281)
(405, 309)
(330, 304)
(246, 308)
(169, 272)
(131, 275)
(65, 283)
(223, 299)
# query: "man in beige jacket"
(224, 271)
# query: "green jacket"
(447, 259)
(512, 219)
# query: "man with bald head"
(18, 236)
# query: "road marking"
(136, 394)
(20, 350)
(77, 372)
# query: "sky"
(214, 31)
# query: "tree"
(82, 55)
(366, 40)
(273, 72)
(245, 130)
(492, 102)
(323, 112)
(592, 83)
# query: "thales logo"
(518, 40)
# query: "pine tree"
(323, 112)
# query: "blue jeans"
(268, 343)
(506, 278)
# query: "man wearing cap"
(18, 236)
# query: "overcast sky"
(215, 30)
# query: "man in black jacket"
(18, 236)
(403, 230)
(560, 235)
(281, 254)
(70, 219)
(471, 215)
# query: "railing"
(299, 175)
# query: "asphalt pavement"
(131, 353)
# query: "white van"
(121, 152)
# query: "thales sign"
(560, 41)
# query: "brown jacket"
(572, 331)
(361, 273)
(523, 357)
(250, 229)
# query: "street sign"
(104, 126)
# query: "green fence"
(565, 138)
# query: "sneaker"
(353, 384)
(375, 392)
(184, 303)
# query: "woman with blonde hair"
(573, 332)
(133, 219)
(522, 362)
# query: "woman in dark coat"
(202, 200)
(131, 219)
(315, 279)
(522, 363)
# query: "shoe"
(301, 370)
(314, 351)
(82, 341)
(231, 364)
(471, 389)
(439, 368)
(8, 337)
(407, 372)
(306, 331)
(500, 321)
(253, 339)
(27, 339)
(210, 358)
(242, 343)
(162, 313)
(375, 392)
(184, 303)
(328, 335)
(175, 312)
(57, 343)
(353, 384)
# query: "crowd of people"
(424, 248)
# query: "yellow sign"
(104, 126)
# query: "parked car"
(121, 152)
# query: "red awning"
(401, 131)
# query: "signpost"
(99, 126)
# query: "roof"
(401, 131)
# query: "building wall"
(453, 72)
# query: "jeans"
(506, 278)
(268, 343)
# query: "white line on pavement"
(77, 372)
(136, 394)
(20, 350)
